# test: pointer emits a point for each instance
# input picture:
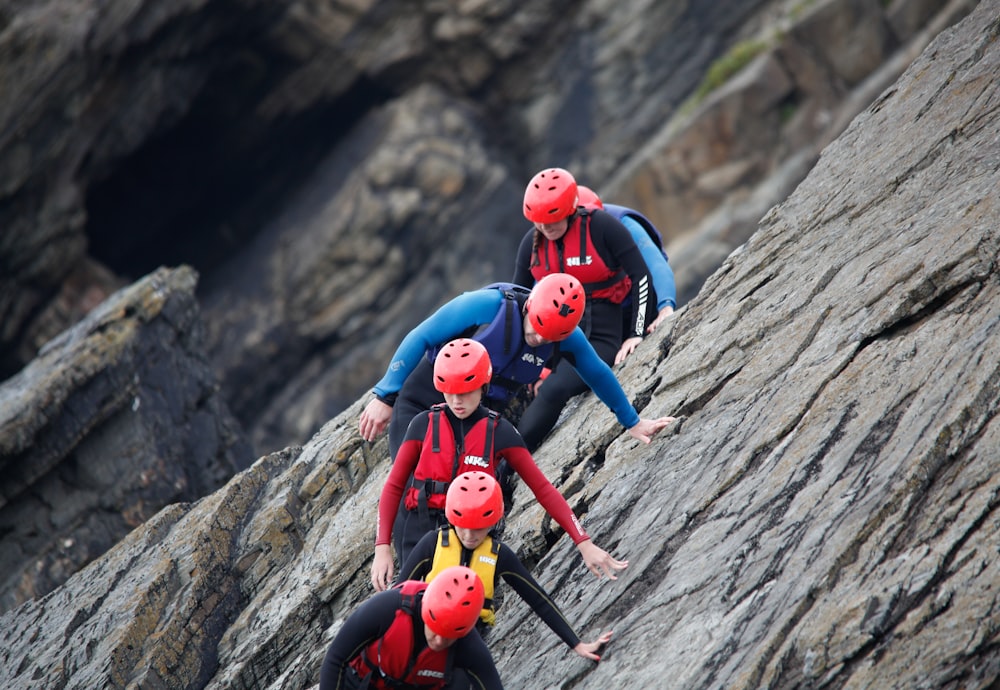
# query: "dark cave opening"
(201, 190)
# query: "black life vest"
(390, 662)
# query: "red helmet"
(453, 601)
(555, 306)
(474, 501)
(461, 366)
(589, 198)
(550, 196)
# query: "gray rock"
(115, 419)
(822, 517)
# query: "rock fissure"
(688, 408)
(903, 605)
(906, 317)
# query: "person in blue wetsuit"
(521, 330)
(643, 232)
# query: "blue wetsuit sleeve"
(468, 310)
(598, 375)
(659, 267)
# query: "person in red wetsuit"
(474, 506)
(461, 436)
(417, 635)
(596, 249)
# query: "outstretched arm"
(513, 572)
(388, 503)
(658, 265)
(456, 316)
(599, 376)
(601, 379)
(597, 560)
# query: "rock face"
(115, 419)
(823, 517)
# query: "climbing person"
(473, 507)
(448, 440)
(596, 249)
(521, 330)
(416, 635)
(650, 243)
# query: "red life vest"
(574, 253)
(442, 459)
(389, 662)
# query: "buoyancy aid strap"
(459, 445)
(590, 288)
(507, 384)
(428, 487)
(509, 301)
(425, 489)
(436, 413)
(491, 424)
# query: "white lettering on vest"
(579, 260)
(532, 359)
(429, 672)
(487, 560)
(476, 460)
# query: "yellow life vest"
(483, 560)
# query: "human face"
(531, 337)
(553, 231)
(471, 538)
(435, 641)
(463, 404)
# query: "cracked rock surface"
(825, 515)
